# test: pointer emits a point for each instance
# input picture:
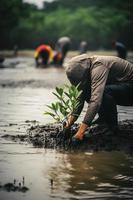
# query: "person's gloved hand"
(69, 121)
(80, 133)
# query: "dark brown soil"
(97, 139)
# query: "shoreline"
(30, 53)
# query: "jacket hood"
(77, 69)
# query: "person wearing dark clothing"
(83, 47)
(57, 58)
(15, 50)
(43, 55)
(63, 46)
(105, 81)
(2, 59)
(120, 48)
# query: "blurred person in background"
(15, 50)
(57, 58)
(1, 58)
(83, 47)
(62, 46)
(120, 48)
(43, 55)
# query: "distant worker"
(120, 48)
(43, 55)
(15, 50)
(1, 58)
(83, 47)
(57, 58)
(63, 46)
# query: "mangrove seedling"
(67, 101)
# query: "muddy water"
(49, 174)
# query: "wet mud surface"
(55, 137)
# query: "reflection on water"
(86, 175)
(74, 175)
(50, 174)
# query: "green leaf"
(57, 96)
(48, 113)
(67, 102)
(50, 107)
(67, 94)
(79, 93)
(59, 91)
(57, 106)
(54, 106)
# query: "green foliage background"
(97, 21)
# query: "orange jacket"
(44, 47)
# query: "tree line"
(98, 22)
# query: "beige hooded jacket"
(94, 72)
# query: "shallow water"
(25, 91)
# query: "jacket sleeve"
(99, 75)
(77, 112)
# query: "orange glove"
(80, 133)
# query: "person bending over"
(62, 46)
(43, 55)
(105, 81)
(120, 48)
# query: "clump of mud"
(96, 139)
(15, 187)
